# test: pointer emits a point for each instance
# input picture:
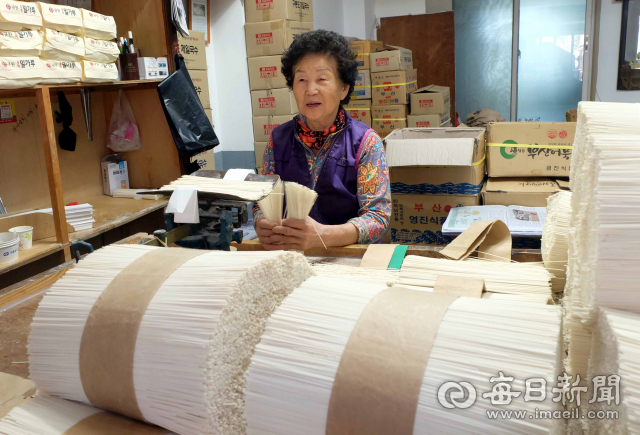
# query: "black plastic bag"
(191, 129)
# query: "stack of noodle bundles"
(24, 411)
(499, 277)
(159, 334)
(247, 190)
(555, 235)
(616, 351)
(304, 364)
(604, 237)
(386, 276)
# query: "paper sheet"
(522, 221)
(184, 205)
(238, 174)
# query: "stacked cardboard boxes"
(393, 79)
(432, 171)
(271, 26)
(359, 108)
(192, 49)
(430, 107)
(527, 161)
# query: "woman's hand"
(264, 230)
(297, 234)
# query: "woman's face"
(318, 90)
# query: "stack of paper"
(80, 217)
(522, 221)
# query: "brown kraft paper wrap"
(491, 238)
(109, 337)
(378, 256)
(105, 423)
(14, 391)
(459, 286)
(377, 385)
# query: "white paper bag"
(96, 72)
(62, 46)
(100, 51)
(24, 43)
(20, 72)
(66, 19)
(19, 16)
(98, 26)
(60, 72)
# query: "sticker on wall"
(7, 112)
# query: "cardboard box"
(362, 88)
(273, 102)
(264, 73)
(395, 59)
(393, 87)
(530, 149)
(200, 81)
(572, 115)
(269, 10)
(431, 100)
(115, 174)
(436, 161)
(148, 68)
(192, 49)
(269, 38)
(528, 192)
(209, 114)
(360, 110)
(429, 121)
(388, 118)
(418, 219)
(259, 148)
(436, 147)
(205, 160)
(364, 49)
(264, 125)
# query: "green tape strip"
(398, 257)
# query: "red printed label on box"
(268, 128)
(426, 103)
(268, 71)
(354, 114)
(264, 38)
(264, 4)
(387, 88)
(382, 61)
(423, 124)
(267, 103)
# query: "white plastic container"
(9, 246)
(26, 236)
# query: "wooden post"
(53, 167)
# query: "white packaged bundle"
(59, 72)
(97, 72)
(62, 46)
(62, 18)
(21, 43)
(100, 51)
(20, 72)
(19, 16)
(98, 26)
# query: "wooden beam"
(53, 167)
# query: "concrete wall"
(608, 50)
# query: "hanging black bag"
(191, 129)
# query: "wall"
(609, 48)
(329, 14)
(229, 86)
(435, 6)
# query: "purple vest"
(337, 185)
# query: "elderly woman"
(326, 150)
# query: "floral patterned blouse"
(374, 192)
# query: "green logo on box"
(503, 150)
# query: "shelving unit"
(35, 173)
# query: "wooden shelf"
(40, 249)
(75, 87)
